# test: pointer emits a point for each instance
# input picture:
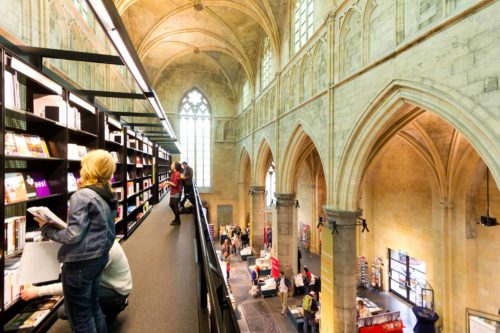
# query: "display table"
(425, 320)
(267, 287)
(385, 322)
(245, 253)
(372, 307)
(296, 316)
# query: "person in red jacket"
(175, 183)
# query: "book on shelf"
(10, 144)
(35, 147)
(21, 145)
(138, 163)
(51, 107)
(41, 185)
(138, 200)
(130, 188)
(15, 234)
(43, 303)
(29, 182)
(74, 118)
(34, 236)
(119, 213)
(76, 152)
(15, 188)
(137, 186)
(115, 156)
(118, 193)
(116, 136)
(26, 320)
(46, 214)
(72, 183)
(11, 90)
(130, 209)
(12, 287)
(82, 151)
(132, 143)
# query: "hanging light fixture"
(487, 220)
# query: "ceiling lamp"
(487, 220)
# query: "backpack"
(307, 304)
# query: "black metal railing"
(213, 292)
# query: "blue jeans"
(308, 322)
(81, 283)
(112, 302)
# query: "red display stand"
(389, 327)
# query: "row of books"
(11, 288)
(21, 187)
(138, 161)
(54, 107)
(76, 152)
(17, 144)
(115, 136)
(14, 234)
(134, 188)
(33, 314)
(146, 148)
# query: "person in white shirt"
(116, 285)
(362, 310)
(283, 284)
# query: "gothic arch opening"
(413, 195)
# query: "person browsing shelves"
(86, 240)
(175, 183)
(116, 285)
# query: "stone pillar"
(344, 269)
(283, 240)
(447, 289)
(257, 216)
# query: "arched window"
(194, 133)
(270, 184)
(303, 28)
(245, 96)
(265, 65)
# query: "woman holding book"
(86, 240)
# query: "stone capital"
(285, 199)
(257, 189)
(342, 216)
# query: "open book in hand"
(46, 214)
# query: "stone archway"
(300, 177)
(399, 125)
(384, 116)
(244, 181)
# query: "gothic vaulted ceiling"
(223, 34)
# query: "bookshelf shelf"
(11, 111)
(33, 158)
(52, 196)
(76, 133)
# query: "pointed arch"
(262, 162)
(387, 109)
(245, 165)
(299, 145)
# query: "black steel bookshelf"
(70, 128)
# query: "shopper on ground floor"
(283, 285)
(310, 307)
(86, 240)
(116, 285)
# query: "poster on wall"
(481, 322)
(275, 267)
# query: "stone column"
(344, 269)
(283, 241)
(257, 215)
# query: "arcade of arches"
(384, 110)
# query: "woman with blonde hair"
(86, 242)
